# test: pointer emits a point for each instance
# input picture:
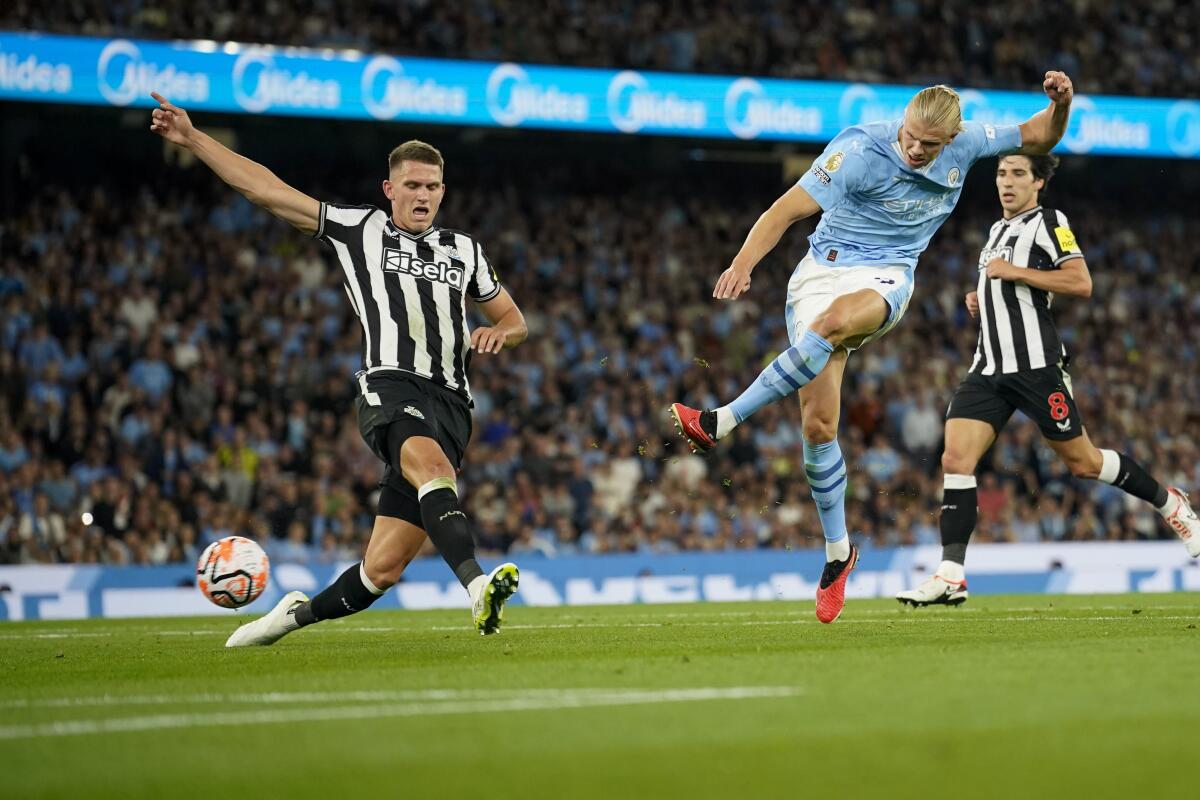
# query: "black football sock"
(1129, 476)
(446, 525)
(350, 593)
(959, 513)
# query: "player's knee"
(955, 462)
(819, 429)
(384, 569)
(424, 472)
(422, 462)
(1085, 466)
(832, 325)
(383, 573)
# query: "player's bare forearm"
(795, 205)
(1042, 132)
(507, 329)
(513, 326)
(1069, 281)
(1045, 129)
(1072, 278)
(260, 185)
(762, 238)
(248, 177)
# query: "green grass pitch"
(1006, 697)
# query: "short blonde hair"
(415, 150)
(939, 107)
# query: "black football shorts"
(1043, 395)
(393, 407)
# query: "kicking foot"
(831, 594)
(270, 627)
(488, 608)
(1184, 522)
(698, 427)
(936, 591)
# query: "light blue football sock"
(793, 368)
(826, 470)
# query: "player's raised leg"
(1085, 460)
(966, 442)
(394, 543)
(849, 317)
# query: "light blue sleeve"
(985, 140)
(836, 173)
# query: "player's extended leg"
(425, 466)
(820, 408)
(394, 543)
(825, 468)
(849, 317)
(966, 442)
(1085, 460)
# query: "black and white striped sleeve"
(334, 222)
(484, 284)
(1056, 238)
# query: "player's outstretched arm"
(508, 328)
(260, 186)
(793, 206)
(1041, 132)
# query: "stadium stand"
(175, 367)
(1120, 48)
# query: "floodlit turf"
(1005, 697)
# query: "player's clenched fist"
(1058, 87)
(973, 304)
(732, 283)
(170, 121)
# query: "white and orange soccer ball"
(232, 571)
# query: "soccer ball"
(232, 571)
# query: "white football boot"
(487, 607)
(270, 627)
(1183, 521)
(936, 591)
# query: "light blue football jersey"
(877, 209)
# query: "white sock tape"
(959, 482)
(362, 574)
(434, 485)
(1110, 466)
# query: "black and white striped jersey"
(1016, 328)
(409, 291)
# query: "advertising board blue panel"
(249, 79)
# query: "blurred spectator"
(921, 427)
(150, 373)
(40, 531)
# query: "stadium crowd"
(175, 366)
(1109, 46)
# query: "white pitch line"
(85, 635)
(67, 633)
(883, 617)
(906, 617)
(413, 709)
(298, 697)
